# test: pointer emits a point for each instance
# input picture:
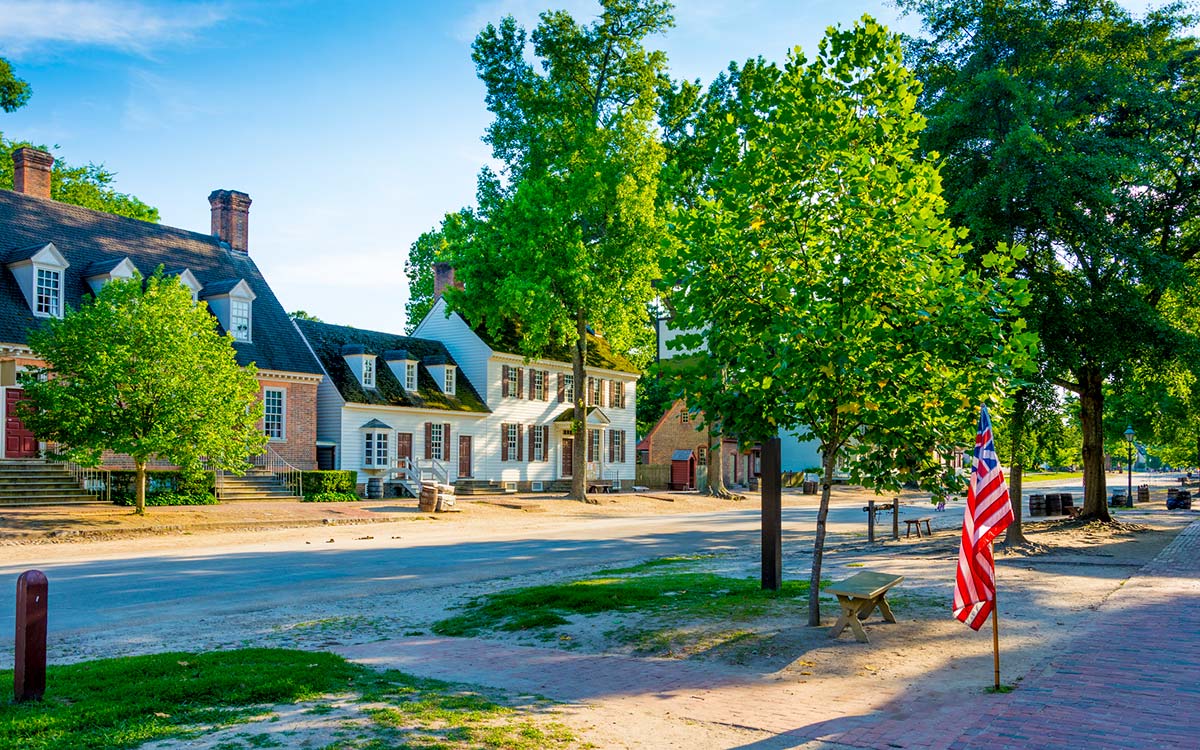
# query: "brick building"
(678, 429)
(56, 254)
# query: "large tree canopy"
(141, 370)
(831, 295)
(566, 238)
(1071, 128)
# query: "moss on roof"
(327, 342)
(599, 352)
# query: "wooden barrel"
(1118, 500)
(1172, 498)
(1037, 505)
(1054, 505)
(1143, 495)
(1068, 502)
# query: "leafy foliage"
(830, 293)
(1069, 127)
(565, 240)
(89, 186)
(14, 92)
(141, 370)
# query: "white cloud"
(28, 26)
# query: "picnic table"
(858, 596)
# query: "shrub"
(330, 497)
(198, 486)
(317, 482)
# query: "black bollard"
(29, 672)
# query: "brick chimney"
(230, 218)
(443, 276)
(31, 172)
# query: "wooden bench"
(917, 523)
(858, 596)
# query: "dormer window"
(48, 299)
(233, 304)
(189, 280)
(449, 381)
(444, 372)
(39, 271)
(361, 363)
(368, 371)
(103, 271)
(404, 366)
(239, 319)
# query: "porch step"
(36, 482)
(481, 487)
(254, 485)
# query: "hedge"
(318, 482)
(330, 497)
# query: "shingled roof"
(91, 239)
(331, 342)
(599, 353)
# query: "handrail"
(87, 475)
(434, 468)
(291, 477)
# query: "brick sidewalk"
(1131, 679)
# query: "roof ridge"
(73, 208)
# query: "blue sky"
(354, 126)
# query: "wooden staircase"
(38, 482)
(253, 485)
(481, 487)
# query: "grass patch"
(125, 702)
(677, 596)
(1050, 476)
(656, 564)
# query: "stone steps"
(34, 482)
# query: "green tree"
(13, 91)
(565, 241)
(141, 370)
(304, 315)
(833, 297)
(89, 186)
(1070, 128)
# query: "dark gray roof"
(681, 454)
(86, 237)
(102, 266)
(375, 424)
(331, 343)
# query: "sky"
(354, 126)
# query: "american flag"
(989, 512)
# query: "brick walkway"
(1131, 679)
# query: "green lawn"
(124, 702)
(664, 592)
(1050, 476)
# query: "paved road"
(123, 589)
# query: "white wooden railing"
(94, 480)
(433, 469)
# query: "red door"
(403, 446)
(568, 457)
(464, 456)
(18, 441)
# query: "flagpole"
(995, 621)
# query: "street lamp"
(1129, 436)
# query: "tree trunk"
(828, 459)
(580, 443)
(140, 492)
(1091, 417)
(1016, 534)
(714, 483)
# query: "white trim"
(294, 377)
(354, 405)
(283, 397)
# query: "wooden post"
(870, 520)
(29, 670)
(772, 517)
(895, 518)
(995, 621)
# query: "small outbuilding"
(683, 469)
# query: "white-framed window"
(539, 444)
(539, 386)
(702, 456)
(569, 387)
(616, 447)
(275, 413)
(513, 440)
(618, 394)
(684, 417)
(49, 293)
(375, 449)
(450, 379)
(410, 376)
(437, 441)
(368, 371)
(593, 451)
(239, 319)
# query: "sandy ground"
(1047, 591)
